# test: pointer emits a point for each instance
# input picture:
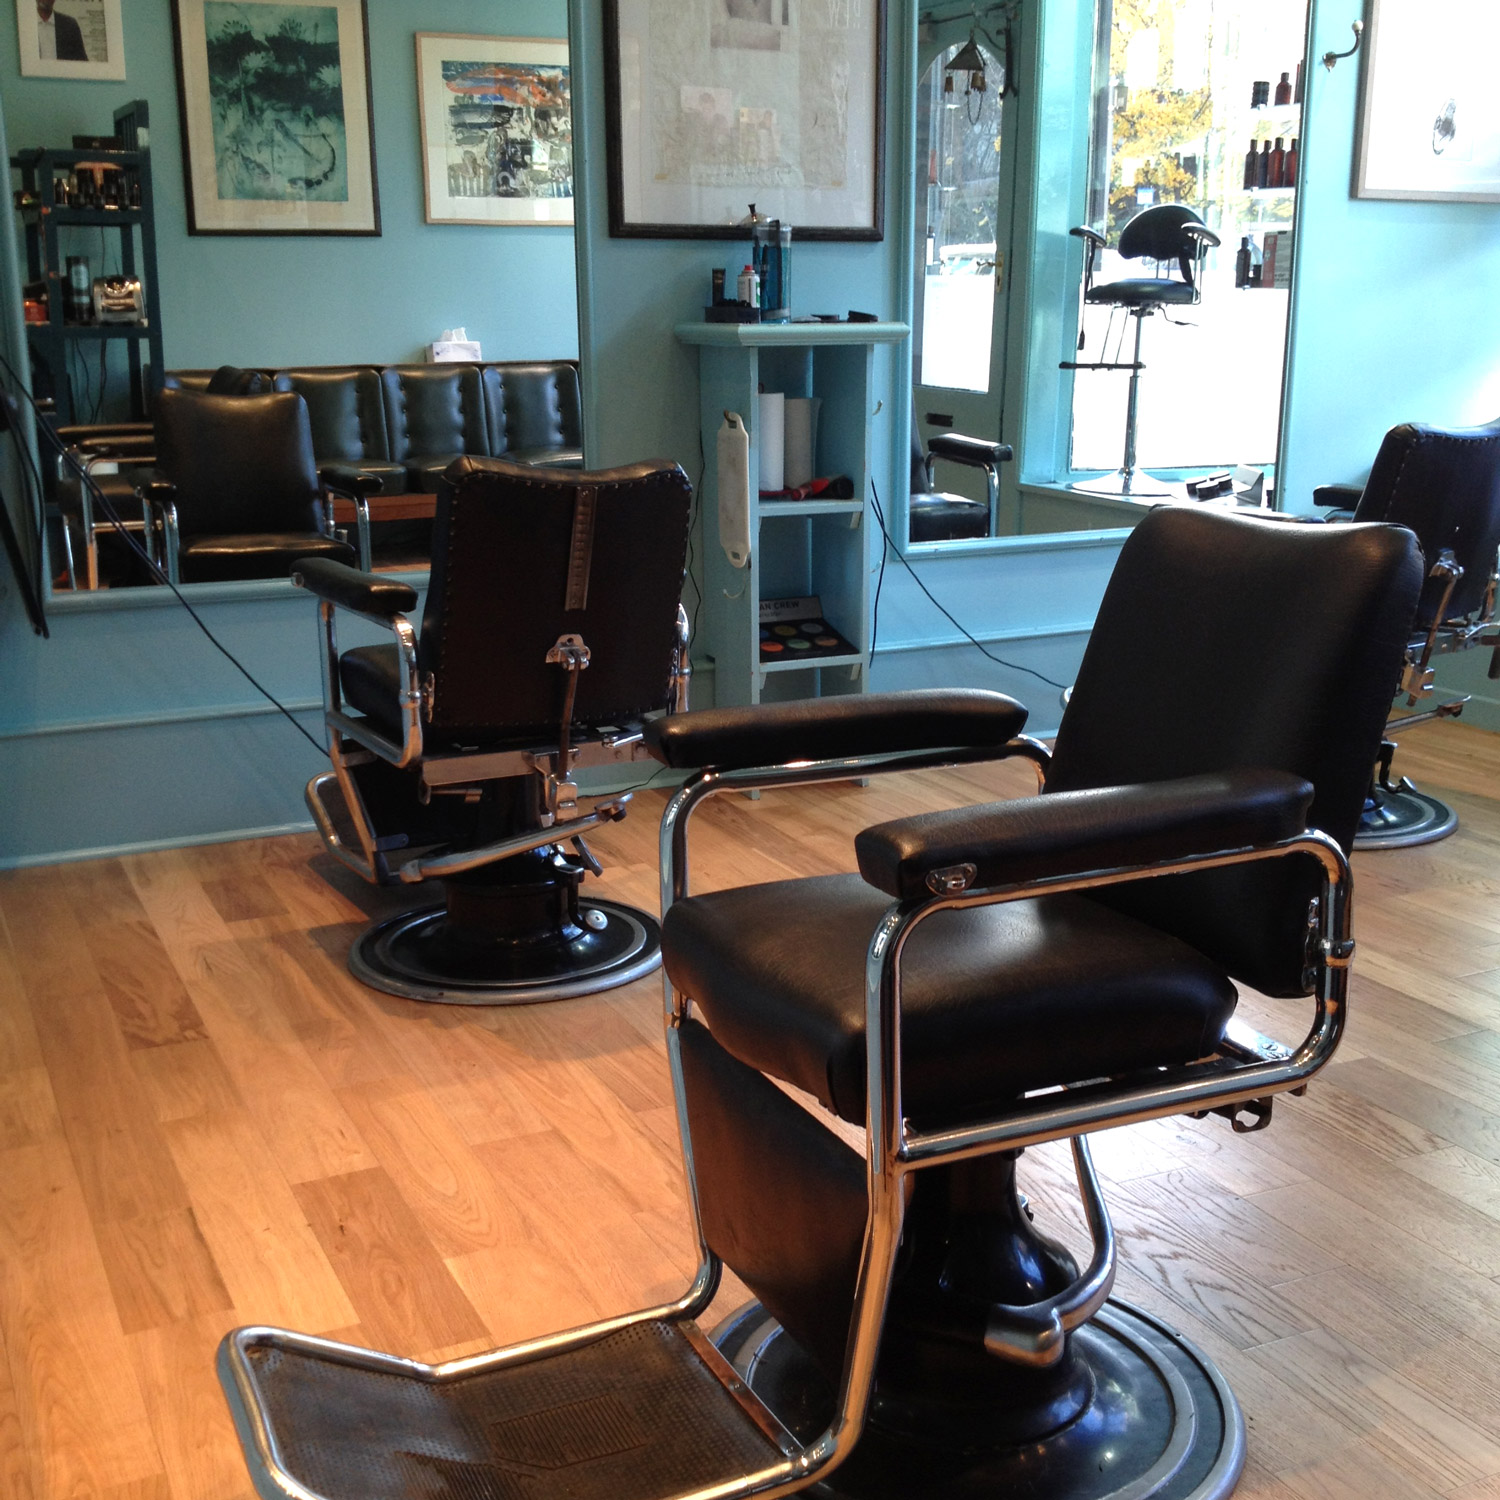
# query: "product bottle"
(1242, 262)
(1257, 264)
(1276, 172)
(1260, 91)
(1297, 90)
(1252, 167)
(748, 287)
(1263, 165)
(1284, 89)
(1289, 175)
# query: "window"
(1177, 112)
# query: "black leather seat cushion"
(1138, 291)
(220, 559)
(947, 518)
(995, 1000)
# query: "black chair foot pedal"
(1159, 1424)
(639, 1412)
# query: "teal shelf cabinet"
(797, 547)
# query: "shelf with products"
(106, 188)
(800, 549)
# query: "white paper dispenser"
(734, 489)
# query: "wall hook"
(1331, 59)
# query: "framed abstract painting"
(497, 129)
(277, 117)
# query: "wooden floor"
(204, 1121)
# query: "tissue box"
(446, 351)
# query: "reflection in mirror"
(316, 319)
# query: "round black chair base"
(1162, 1424)
(415, 956)
(1395, 820)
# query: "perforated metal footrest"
(640, 1412)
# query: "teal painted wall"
(259, 300)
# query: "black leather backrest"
(347, 412)
(919, 481)
(1444, 483)
(1156, 234)
(431, 410)
(241, 464)
(496, 599)
(1225, 642)
(231, 380)
(532, 406)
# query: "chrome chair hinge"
(950, 880)
(569, 651)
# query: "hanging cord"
(1011, 666)
(106, 506)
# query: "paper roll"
(770, 439)
(801, 439)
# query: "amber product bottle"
(1289, 172)
(1284, 89)
(1297, 89)
(1276, 172)
(1252, 167)
(1263, 165)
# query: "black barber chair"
(993, 978)
(552, 628)
(1168, 235)
(933, 516)
(235, 492)
(1444, 485)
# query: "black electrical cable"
(106, 505)
(1011, 666)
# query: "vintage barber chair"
(1167, 234)
(994, 977)
(1444, 485)
(235, 492)
(552, 629)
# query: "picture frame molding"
(33, 65)
(493, 222)
(621, 228)
(1369, 101)
(185, 122)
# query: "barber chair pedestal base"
(1404, 816)
(1136, 485)
(511, 933)
(1159, 1423)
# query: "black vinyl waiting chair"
(1168, 235)
(992, 978)
(552, 628)
(935, 516)
(235, 492)
(1443, 484)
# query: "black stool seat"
(941, 517)
(1139, 291)
(264, 554)
(995, 1000)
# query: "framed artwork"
(1429, 116)
(70, 38)
(712, 105)
(497, 129)
(277, 124)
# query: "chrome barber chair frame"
(592, 944)
(642, 1407)
(1166, 232)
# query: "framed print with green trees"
(277, 119)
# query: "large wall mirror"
(1194, 104)
(315, 301)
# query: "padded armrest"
(152, 484)
(348, 588)
(1201, 232)
(1091, 237)
(350, 480)
(1338, 496)
(975, 452)
(1072, 833)
(772, 734)
(85, 434)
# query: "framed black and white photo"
(497, 129)
(1429, 117)
(70, 39)
(716, 104)
(277, 123)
